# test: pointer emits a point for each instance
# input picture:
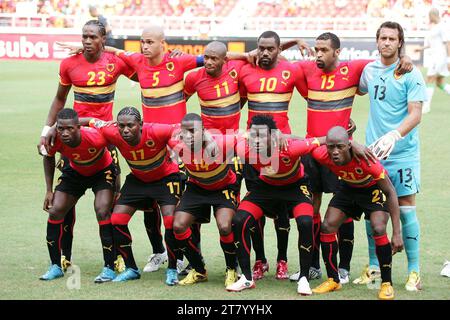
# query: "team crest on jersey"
(170, 66)
(110, 67)
(285, 74)
(344, 70)
(233, 74)
(397, 75)
(92, 150)
(359, 171)
(150, 143)
(286, 160)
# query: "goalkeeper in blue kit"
(392, 134)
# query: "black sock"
(123, 241)
(171, 245)
(195, 228)
(282, 228)
(152, 222)
(305, 243)
(316, 235)
(67, 236)
(192, 253)
(54, 234)
(345, 241)
(384, 253)
(257, 235)
(229, 250)
(243, 221)
(106, 237)
(329, 253)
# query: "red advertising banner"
(34, 46)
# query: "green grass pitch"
(27, 89)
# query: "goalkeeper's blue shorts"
(404, 174)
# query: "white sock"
(447, 88)
(427, 104)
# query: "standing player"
(91, 166)
(395, 112)
(363, 189)
(281, 185)
(211, 182)
(332, 85)
(93, 76)
(217, 88)
(154, 177)
(269, 87)
(438, 46)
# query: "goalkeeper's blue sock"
(373, 259)
(411, 236)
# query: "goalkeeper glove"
(383, 147)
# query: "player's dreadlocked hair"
(67, 113)
(98, 24)
(192, 117)
(130, 111)
(393, 25)
(335, 42)
(264, 119)
(270, 34)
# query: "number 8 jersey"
(94, 84)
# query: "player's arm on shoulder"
(363, 86)
(361, 152)
(189, 85)
(405, 65)
(301, 44)
(49, 173)
(385, 184)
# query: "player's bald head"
(338, 135)
(154, 32)
(217, 47)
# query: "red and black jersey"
(270, 91)
(330, 95)
(357, 175)
(218, 97)
(282, 167)
(162, 85)
(207, 173)
(94, 84)
(89, 157)
(150, 159)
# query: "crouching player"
(211, 182)
(363, 189)
(91, 167)
(281, 185)
(154, 176)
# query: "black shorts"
(354, 201)
(73, 183)
(63, 161)
(198, 201)
(322, 179)
(275, 201)
(140, 195)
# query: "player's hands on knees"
(405, 65)
(48, 201)
(72, 48)
(361, 152)
(397, 243)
